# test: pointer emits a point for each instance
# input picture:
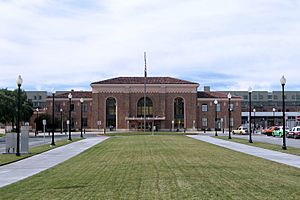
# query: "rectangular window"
(275, 97)
(218, 107)
(72, 107)
(204, 108)
(255, 97)
(231, 106)
(231, 122)
(40, 97)
(204, 122)
(84, 122)
(34, 97)
(85, 107)
(245, 97)
(57, 108)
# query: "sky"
(224, 44)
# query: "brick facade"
(161, 91)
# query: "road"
(40, 139)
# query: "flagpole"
(145, 80)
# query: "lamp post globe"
(19, 83)
(81, 118)
(250, 134)
(229, 115)
(70, 122)
(216, 116)
(283, 82)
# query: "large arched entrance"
(111, 113)
(179, 113)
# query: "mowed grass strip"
(274, 147)
(148, 133)
(160, 167)
(8, 158)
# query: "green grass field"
(274, 147)
(8, 158)
(147, 133)
(160, 167)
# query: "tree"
(8, 106)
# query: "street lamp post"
(19, 83)
(216, 116)
(250, 136)
(61, 120)
(70, 122)
(36, 121)
(283, 81)
(52, 141)
(229, 116)
(173, 125)
(81, 119)
(254, 125)
(274, 116)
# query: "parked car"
(240, 130)
(278, 131)
(269, 131)
(295, 132)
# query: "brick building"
(171, 104)
(62, 107)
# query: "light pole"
(229, 116)
(61, 120)
(36, 121)
(283, 81)
(81, 119)
(216, 116)
(19, 83)
(250, 137)
(254, 127)
(70, 122)
(274, 116)
(52, 141)
(173, 125)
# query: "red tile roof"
(218, 95)
(140, 80)
(75, 94)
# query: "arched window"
(110, 112)
(179, 112)
(148, 110)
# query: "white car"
(240, 130)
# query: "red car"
(269, 131)
(295, 132)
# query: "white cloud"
(63, 43)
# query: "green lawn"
(160, 167)
(147, 133)
(1, 135)
(8, 158)
(274, 147)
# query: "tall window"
(110, 113)
(218, 107)
(204, 122)
(148, 110)
(179, 112)
(204, 107)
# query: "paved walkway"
(24, 168)
(275, 156)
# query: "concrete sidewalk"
(284, 158)
(24, 168)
